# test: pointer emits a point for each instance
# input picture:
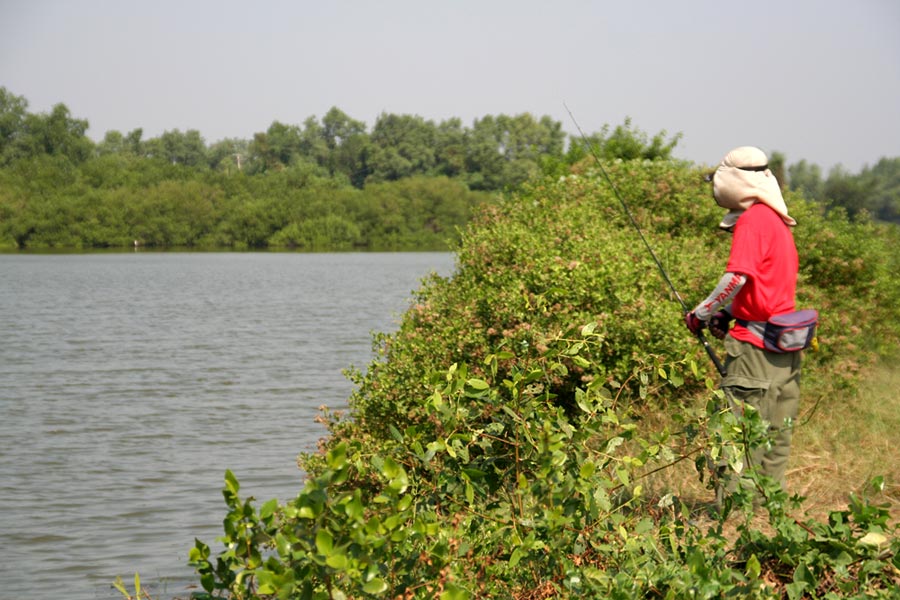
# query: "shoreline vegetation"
(330, 183)
(540, 425)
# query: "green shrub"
(498, 445)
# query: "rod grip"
(712, 354)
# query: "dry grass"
(841, 442)
(848, 440)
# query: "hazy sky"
(814, 79)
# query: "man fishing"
(762, 368)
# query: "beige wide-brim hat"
(742, 179)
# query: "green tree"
(778, 166)
(228, 155)
(806, 178)
(347, 143)
(313, 144)
(450, 148)
(338, 127)
(524, 137)
(13, 110)
(401, 146)
(283, 143)
(885, 189)
(113, 143)
(55, 133)
(484, 157)
(626, 142)
(506, 151)
(178, 148)
(134, 142)
(845, 190)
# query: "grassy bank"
(849, 439)
(842, 442)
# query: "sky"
(817, 80)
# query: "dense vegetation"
(512, 437)
(409, 183)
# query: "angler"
(762, 367)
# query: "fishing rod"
(709, 350)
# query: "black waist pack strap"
(789, 332)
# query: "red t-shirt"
(762, 249)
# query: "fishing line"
(589, 147)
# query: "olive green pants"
(770, 383)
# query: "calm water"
(130, 382)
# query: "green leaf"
(450, 450)
(120, 585)
(574, 349)
(376, 586)
(583, 401)
(268, 509)
(587, 470)
(337, 560)
(231, 482)
(515, 557)
(200, 551)
(208, 581)
(282, 545)
(753, 567)
(396, 474)
(405, 503)
(354, 508)
(581, 361)
(324, 542)
(337, 457)
(455, 592)
(588, 329)
(614, 443)
(474, 474)
(477, 384)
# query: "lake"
(129, 383)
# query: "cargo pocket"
(745, 366)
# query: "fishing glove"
(693, 323)
(719, 323)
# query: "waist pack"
(789, 332)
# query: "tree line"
(330, 183)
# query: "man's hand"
(693, 323)
(719, 324)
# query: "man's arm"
(726, 290)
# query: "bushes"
(49, 203)
(507, 495)
(498, 445)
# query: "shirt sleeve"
(746, 245)
(726, 290)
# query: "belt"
(756, 328)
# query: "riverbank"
(501, 445)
